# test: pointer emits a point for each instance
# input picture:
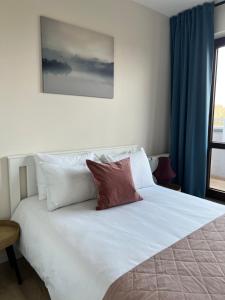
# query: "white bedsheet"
(79, 252)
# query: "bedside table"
(9, 234)
(172, 186)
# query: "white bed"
(79, 252)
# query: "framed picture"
(76, 61)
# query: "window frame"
(210, 192)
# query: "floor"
(31, 289)
(217, 183)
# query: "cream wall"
(220, 21)
(31, 121)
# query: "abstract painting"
(76, 61)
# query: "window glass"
(219, 109)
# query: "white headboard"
(19, 163)
(22, 170)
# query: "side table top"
(9, 233)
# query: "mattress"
(79, 252)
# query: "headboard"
(22, 174)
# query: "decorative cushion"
(114, 183)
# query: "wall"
(31, 121)
(220, 21)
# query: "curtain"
(192, 47)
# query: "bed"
(80, 253)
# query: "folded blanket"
(191, 269)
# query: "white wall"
(31, 121)
(220, 21)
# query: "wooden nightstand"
(172, 186)
(9, 234)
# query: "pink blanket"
(191, 269)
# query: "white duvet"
(79, 252)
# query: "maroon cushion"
(114, 182)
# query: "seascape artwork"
(76, 61)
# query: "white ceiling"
(171, 7)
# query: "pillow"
(68, 160)
(67, 184)
(114, 182)
(140, 167)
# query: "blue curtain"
(192, 47)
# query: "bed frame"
(22, 174)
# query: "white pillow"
(67, 184)
(140, 167)
(68, 160)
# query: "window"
(216, 149)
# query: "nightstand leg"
(13, 262)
